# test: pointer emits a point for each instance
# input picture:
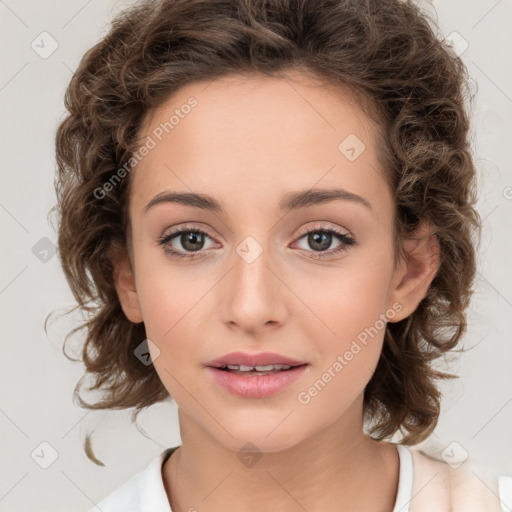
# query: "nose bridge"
(255, 292)
(252, 276)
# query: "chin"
(269, 433)
(246, 441)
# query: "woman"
(272, 206)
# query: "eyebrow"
(290, 201)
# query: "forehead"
(248, 137)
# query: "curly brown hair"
(388, 53)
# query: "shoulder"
(466, 487)
(143, 492)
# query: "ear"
(415, 272)
(124, 280)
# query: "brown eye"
(185, 242)
(319, 240)
(192, 240)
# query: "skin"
(249, 141)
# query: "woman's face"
(253, 280)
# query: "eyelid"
(319, 225)
(188, 227)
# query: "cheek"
(177, 306)
(347, 327)
(169, 294)
(170, 315)
(346, 360)
(170, 310)
(347, 301)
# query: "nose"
(254, 296)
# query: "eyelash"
(344, 238)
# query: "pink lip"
(261, 359)
(256, 386)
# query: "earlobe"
(124, 281)
(416, 271)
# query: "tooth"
(260, 368)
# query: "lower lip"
(256, 386)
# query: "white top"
(145, 491)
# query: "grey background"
(37, 380)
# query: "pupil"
(190, 241)
(319, 241)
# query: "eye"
(189, 241)
(190, 238)
(320, 238)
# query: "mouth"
(255, 375)
(246, 362)
(256, 370)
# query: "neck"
(339, 468)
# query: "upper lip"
(261, 359)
